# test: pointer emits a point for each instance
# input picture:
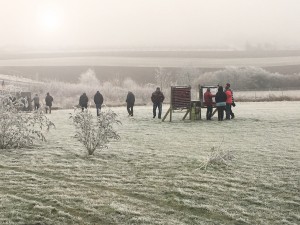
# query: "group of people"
(48, 101)
(224, 102)
(223, 98)
(98, 100)
(157, 99)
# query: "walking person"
(36, 101)
(157, 98)
(209, 103)
(48, 100)
(83, 101)
(220, 102)
(130, 102)
(98, 100)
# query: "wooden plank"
(165, 116)
(187, 112)
(214, 112)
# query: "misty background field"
(153, 175)
(248, 84)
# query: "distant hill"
(159, 54)
(139, 65)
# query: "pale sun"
(49, 20)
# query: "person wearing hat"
(157, 98)
(229, 102)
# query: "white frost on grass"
(152, 175)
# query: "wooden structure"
(180, 99)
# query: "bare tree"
(163, 77)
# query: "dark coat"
(83, 100)
(130, 98)
(221, 96)
(98, 98)
(48, 100)
(157, 97)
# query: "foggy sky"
(149, 23)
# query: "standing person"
(98, 99)
(83, 100)
(36, 101)
(209, 103)
(232, 99)
(220, 102)
(229, 102)
(157, 98)
(130, 102)
(48, 100)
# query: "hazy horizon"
(118, 24)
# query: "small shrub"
(217, 156)
(19, 129)
(94, 132)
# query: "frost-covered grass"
(153, 176)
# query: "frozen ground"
(153, 176)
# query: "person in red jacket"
(208, 102)
(232, 103)
(228, 102)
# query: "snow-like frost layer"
(153, 176)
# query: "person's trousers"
(130, 109)
(228, 111)
(209, 112)
(48, 107)
(98, 108)
(84, 106)
(155, 106)
(36, 106)
(220, 112)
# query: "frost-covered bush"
(96, 132)
(19, 129)
(217, 156)
(89, 78)
(248, 78)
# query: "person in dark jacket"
(220, 102)
(98, 99)
(83, 101)
(130, 102)
(48, 100)
(157, 98)
(36, 101)
(209, 103)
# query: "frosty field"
(153, 175)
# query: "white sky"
(148, 23)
